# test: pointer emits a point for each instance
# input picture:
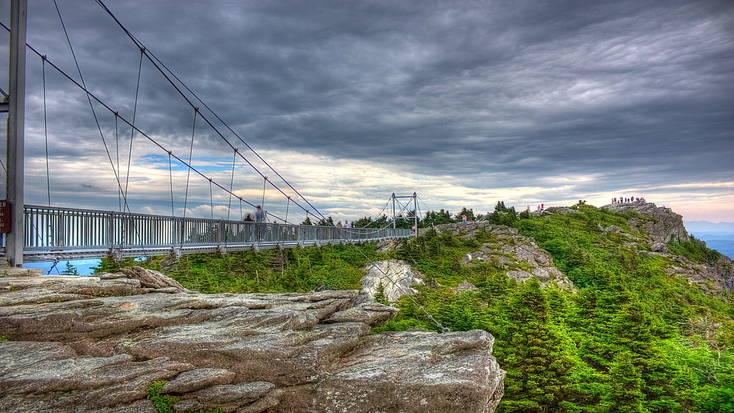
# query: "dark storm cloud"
(497, 94)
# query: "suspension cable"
(191, 152)
(211, 200)
(132, 130)
(287, 205)
(229, 202)
(231, 184)
(170, 180)
(127, 122)
(45, 130)
(91, 106)
(117, 155)
(262, 203)
(183, 95)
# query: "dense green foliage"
(162, 403)
(630, 338)
(288, 270)
(695, 250)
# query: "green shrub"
(695, 250)
(162, 403)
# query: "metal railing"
(64, 232)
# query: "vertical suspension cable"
(89, 99)
(159, 65)
(132, 129)
(287, 206)
(170, 180)
(188, 170)
(231, 184)
(117, 155)
(45, 130)
(262, 204)
(211, 200)
(229, 202)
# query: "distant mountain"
(719, 241)
(709, 227)
(717, 235)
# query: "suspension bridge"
(50, 232)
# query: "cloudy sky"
(465, 102)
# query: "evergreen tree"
(307, 221)
(468, 212)
(70, 269)
(380, 295)
(625, 394)
(502, 215)
(328, 222)
(534, 356)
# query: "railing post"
(60, 229)
(110, 239)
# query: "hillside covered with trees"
(635, 333)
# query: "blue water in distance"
(83, 267)
(719, 241)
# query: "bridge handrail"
(51, 228)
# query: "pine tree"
(534, 356)
(70, 269)
(625, 395)
(380, 295)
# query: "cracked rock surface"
(83, 344)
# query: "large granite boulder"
(396, 278)
(83, 344)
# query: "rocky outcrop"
(507, 249)
(657, 226)
(711, 277)
(86, 344)
(395, 277)
(660, 225)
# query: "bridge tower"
(14, 105)
(414, 198)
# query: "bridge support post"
(415, 213)
(16, 127)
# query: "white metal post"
(415, 213)
(393, 210)
(16, 117)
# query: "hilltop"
(588, 309)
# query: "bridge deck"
(69, 233)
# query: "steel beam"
(16, 125)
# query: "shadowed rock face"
(87, 344)
(660, 224)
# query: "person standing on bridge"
(259, 222)
(259, 214)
